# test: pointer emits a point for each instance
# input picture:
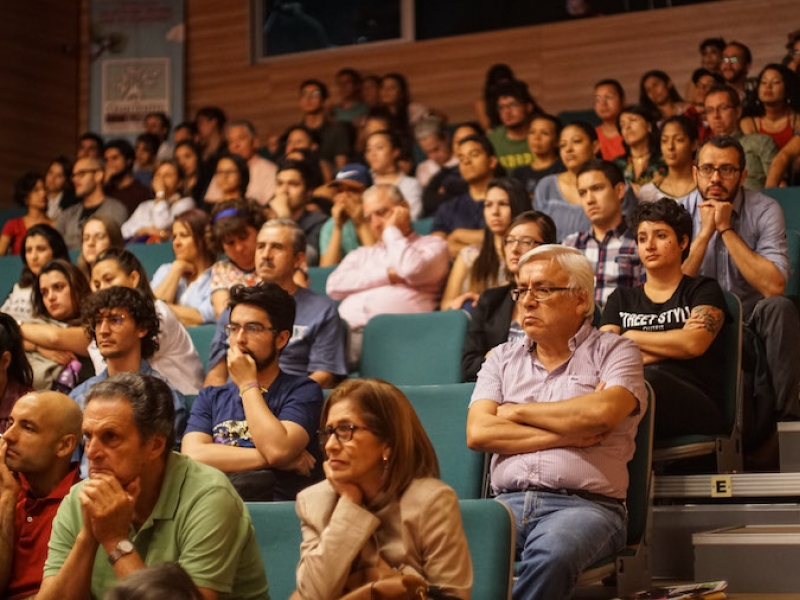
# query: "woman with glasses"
(479, 267)
(98, 233)
(678, 146)
(176, 358)
(675, 320)
(382, 509)
(497, 318)
(773, 110)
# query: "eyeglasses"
(540, 294)
(718, 110)
(83, 172)
(249, 329)
(314, 94)
(525, 242)
(730, 59)
(725, 171)
(343, 432)
(114, 322)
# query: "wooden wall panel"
(38, 96)
(560, 62)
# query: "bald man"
(36, 473)
(87, 176)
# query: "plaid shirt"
(615, 260)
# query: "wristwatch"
(123, 548)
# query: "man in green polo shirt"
(144, 505)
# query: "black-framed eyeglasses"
(249, 329)
(525, 242)
(343, 432)
(725, 171)
(540, 294)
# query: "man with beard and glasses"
(316, 346)
(124, 323)
(259, 428)
(739, 239)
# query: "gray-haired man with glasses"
(559, 412)
(260, 427)
(739, 239)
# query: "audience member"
(723, 109)
(58, 185)
(316, 347)
(194, 180)
(167, 581)
(302, 144)
(710, 61)
(771, 110)
(210, 137)
(40, 244)
(783, 160)
(90, 145)
(382, 153)
(234, 227)
(152, 219)
(119, 182)
(348, 88)
(642, 162)
(702, 81)
(792, 58)
(736, 61)
(395, 95)
(497, 318)
(486, 106)
(346, 229)
(377, 119)
(402, 273)
(569, 399)
(128, 431)
(657, 94)
(159, 125)
(29, 191)
(370, 91)
(122, 322)
(516, 106)
(609, 244)
(259, 428)
(176, 357)
(674, 320)
(88, 179)
(480, 266)
(460, 220)
(35, 475)
(185, 283)
(293, 195)
(16, 376)
(334, 140)
(232, 177)
(243, 142)
(543, 137)
(99, 233)
(434, 140)
(56, 346)
(609, 98)
(678, 146)
(185, 131)
(447, 183)
(144, 164)
(739, 238)
(382, 507)
(557, 195)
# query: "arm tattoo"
(711, 316)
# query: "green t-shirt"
(350, 239)
(510, 153)
(199, 521)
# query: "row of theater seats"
(789, 199)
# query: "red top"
(15, 229)
(610, 147)
(781, 137)
(32, 526)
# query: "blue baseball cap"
(353, 173)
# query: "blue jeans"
(558, 536)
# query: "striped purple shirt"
(512, 373)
